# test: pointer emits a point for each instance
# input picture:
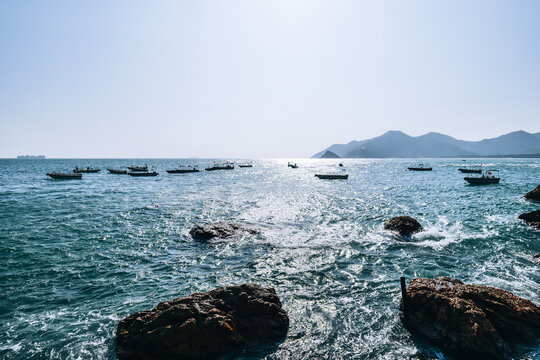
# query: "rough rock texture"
(470, 321)
(532, 218)
(220, 230)
(404, 225)
(203, 325)
(534, 194)
(536, 259)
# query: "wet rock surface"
(536, 259)
(532, 218)
(534, 194)
(470, 321)
(404, 225)
(220, 230)
(203, 325)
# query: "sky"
(260, 79)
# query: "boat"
(292, 165)
(85, 171)
(143, 173)
(226, 166)
(340, 164)
(65, 176)
(183, 170)
(487, 179)
(332, 176)
(138, 168)
(420, 167)
(245, 165)
(470, 171)
(116, 171)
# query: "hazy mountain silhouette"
(398, 144)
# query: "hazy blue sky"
(260, 78)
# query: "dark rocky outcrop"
(533, 194)
(470, 321)
(203, 325)
(404, 225)
(536, 259)
(219, 230)
(532, 218)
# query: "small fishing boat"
(487, 179)
(332, 176)
(143, 173)
(183, 170)
(420, 167)
(245, 165)
(292, 165)
(65, 176)
(88, 170)
(116, 171)
(470, 171)
(138, 168)
(226, 166)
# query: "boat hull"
(142, 174)
(117, 172)
(219, 168)
(64, 176)
(482, 181)
(182, 171)
(470, 171)
(138, 168)
(245, 166)
(332, 177)
(86, 171)
(419, 169)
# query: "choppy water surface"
(77, 256)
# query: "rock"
(404, 225)
(536, 259)
(470, 321)
(203, 325)
(220, 230)
(534, 194)
(532, 218)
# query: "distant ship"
(31, 157)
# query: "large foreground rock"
(470, 321)
(219, 230)
(203, 325)
(536, 259)
(404, 225)
(534, 194)
(532, 218)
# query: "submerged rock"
(534, 194)
(470, 321)
(219, 230)
(532, 218)
(404, 225)
(203, 325)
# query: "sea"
(77, 256)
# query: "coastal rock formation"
(203, 325)
(536, 259)
(404, 225)
(534, 194)
(219, 230)
(532, 218)
(470, 321)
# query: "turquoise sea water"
(78, 256)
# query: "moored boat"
(487, 179)
(117, 171)
(138, 168)
(420, 167)
(332, 176)
(183, 170)
(292, 165)
(143, 173)
(65, 176)
(227, 166)
(470, 171)
(88, 170)
(245, 165)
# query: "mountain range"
(396, 144)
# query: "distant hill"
(329, 155)
(396, 144)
